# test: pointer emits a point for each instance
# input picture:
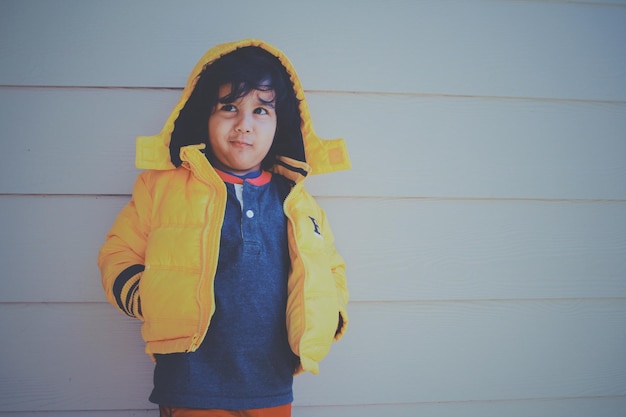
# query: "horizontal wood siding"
(483, 222)
(553, 49)
(397, 249)
(84, 356)
(422, 146)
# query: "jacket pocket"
(168, 303)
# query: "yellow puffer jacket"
(159, 258)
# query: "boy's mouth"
(240, 143)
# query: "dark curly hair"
(245, 69)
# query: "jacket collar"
(194, 159)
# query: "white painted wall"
(484, 221)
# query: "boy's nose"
(243, 124)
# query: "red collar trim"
(262, 179)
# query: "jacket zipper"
(203, 325)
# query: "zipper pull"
(194, 341)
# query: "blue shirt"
(245, 360)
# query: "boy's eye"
(228, 107)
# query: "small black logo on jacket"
(316, 227)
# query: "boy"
(221, 252)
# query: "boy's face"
(241, 133)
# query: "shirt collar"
(257, 178)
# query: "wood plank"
(60, 357)
(474, 351)
(583, 407)
(404, 146)
(71, 357)
(566, 407)
(424, 249)
(454, 47)
(432, 250)
(86, 413)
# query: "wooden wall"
(483, 222)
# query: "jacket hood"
(322, 155)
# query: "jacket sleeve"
(122, 256)
(338, 268)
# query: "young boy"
(221, 252)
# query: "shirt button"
(250, 214)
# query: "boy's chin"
(239, 169)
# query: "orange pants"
(280, 411)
